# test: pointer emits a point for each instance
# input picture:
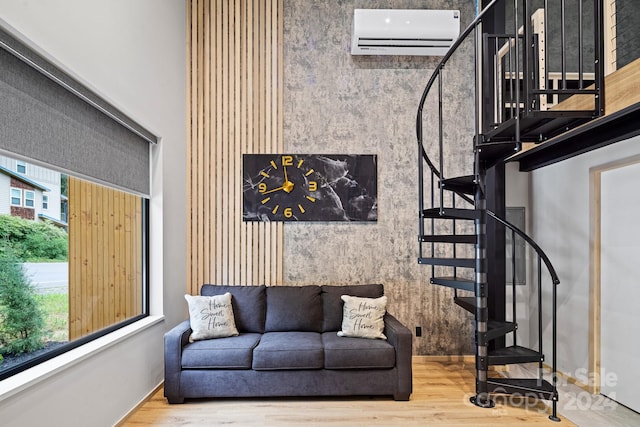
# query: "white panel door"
(620, 285)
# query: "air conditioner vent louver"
(404, 31)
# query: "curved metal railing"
(437, 175)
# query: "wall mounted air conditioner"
(404, 31)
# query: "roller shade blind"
(47, 115)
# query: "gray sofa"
(288, 346)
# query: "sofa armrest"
(174, 340)
(399, 336)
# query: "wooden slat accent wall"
(235, 106)
(105, 257)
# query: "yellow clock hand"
(288, 185)
(274, 190)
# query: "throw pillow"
(211, 317)
(363, 317)
(332, 303)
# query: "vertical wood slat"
(105, 257)
(610, 37)
(206, 157)
(238, 148)
(217, 35)
(235, 104)
(199, 161)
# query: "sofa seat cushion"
(289, 350)
(221, 353)
(356, 353)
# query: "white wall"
(133, 53)
(561, 225)
(619, 291)
(517, 195)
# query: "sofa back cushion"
(332, 304)
(249, 305)
(294, 308)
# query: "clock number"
(288, 212)
(313, 186)
(262, 187)
(287, 160)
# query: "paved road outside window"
(48, 277)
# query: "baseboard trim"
(139, 405)
(456, 358)
(571, 380)
(451, 358)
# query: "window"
(16, 197)
(97, 283)
(21, 167)
(23, 198)
(103, 245)
(29, 199)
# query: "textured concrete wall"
(338, 103)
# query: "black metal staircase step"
(468, 303)
(491, 153)
(454, 282)
(538, 126)
(461, 184)
(450, 238)
(595, 134)
(514, 354)
(497, 329)
(450, 213)
(449, 262)
(526, 387)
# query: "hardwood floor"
(440, 398)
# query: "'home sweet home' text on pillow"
(211, 317)
(363, 317)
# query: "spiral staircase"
(518, 99)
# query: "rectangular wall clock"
(309, 187)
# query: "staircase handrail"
(436, 73)
(530, 241)
(434, 170)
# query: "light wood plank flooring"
(440, 398)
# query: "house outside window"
(45, 202)
(21, 167)
(16, 197)
(29, 199)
